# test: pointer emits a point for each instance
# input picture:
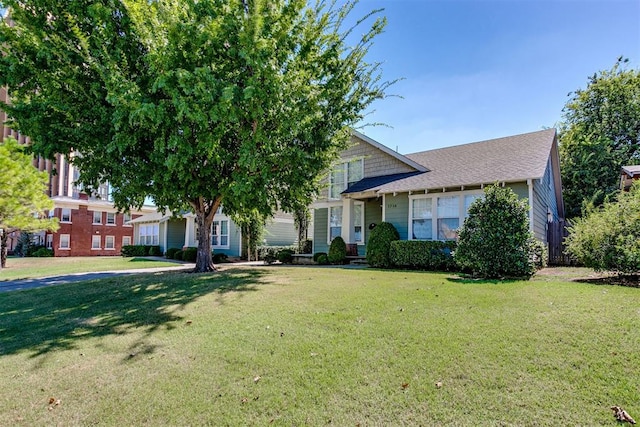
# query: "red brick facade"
(83, 237)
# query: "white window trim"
(362, 216)
(126, 237)
(344, 163)
(61, 215)
(155, 224)
(113, 239)
(115, 219)
(434, 209)
(220, 219)
(124, 220)
(68, 248)
(93, 219)
(99, 248)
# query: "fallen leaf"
(189, 322)
(244, 400)
(256, 378)
(439, 384)
(52, 400)
(405, 385)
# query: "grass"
(29, 268)
(313, 346)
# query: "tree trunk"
(3, 248)
(205, 213)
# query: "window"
(97, 217)
(344, 175)
(335, 222)
(448, 217)
(95, 242)
(126, 240)
(65, 215)
(149, 234)
(468, 200)
(220, 234)
(49, 241)
(65, 240)
(111, 218)
(358, 220)
(421, 219)
(126, 218)
(109, 242)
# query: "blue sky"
(476, 70)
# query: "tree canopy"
(599, 134)
(195, 103)
(23, 202)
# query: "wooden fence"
(556, 233)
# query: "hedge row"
(423, 255)
(141, 250)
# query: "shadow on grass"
(467, 280)
(60, 317)
(630, 281)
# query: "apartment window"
(335, 222)
(126, 240)
(448, 217)
(111, 218)
(49, 241)
(421, 219)
(149, 234)
(95, 242)
(65, 215)
(344, 175)
(97, 217)
(220, 234)
(65, 240)
(126, 218)
(109, 242)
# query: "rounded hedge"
(285, 256)
(171, 252)
(379, 244)
(190, 254)
(178, 256)
(323, 259)
(337, 251)
(318, 255)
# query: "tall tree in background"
(23, 202)
(599, 134)
(195, 103)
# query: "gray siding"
(397, 213)
(280, 233)
(544, 201)
(321, 218)
(175, 233)
(234, 241)
(520, 188)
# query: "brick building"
(89, 224)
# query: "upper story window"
(126, 217)
(111, 218)
(343, 175)
(65, 215)
(97, 217)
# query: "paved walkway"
(15, 285)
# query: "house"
(179, 231)
(426, 195)
(628, 175)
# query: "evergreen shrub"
(171, 252)
(337, 251)
(190, 254)
(423, 255)
(380, 243)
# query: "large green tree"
(195, 103)
(599, 134)
(23, 202)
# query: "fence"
(556, 233)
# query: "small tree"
(608, 238)
(23, 202)
(495, 240)
(252, 228)
(379, 245)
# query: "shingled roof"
(510, 159)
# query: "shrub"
(380, 243)
(337, 251)
(423, 255)
(178, 256)
(608, 239)
(269, 254)
(305, 247)
(190, 254)
(219, 257)
(32, 249)
(495, 240)
(42, 253)
(171, 252)
(323, 259)
(285, 256)
(155, 251)
(134, 250)
(318, 255)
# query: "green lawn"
(28, 268)
(316, 346)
